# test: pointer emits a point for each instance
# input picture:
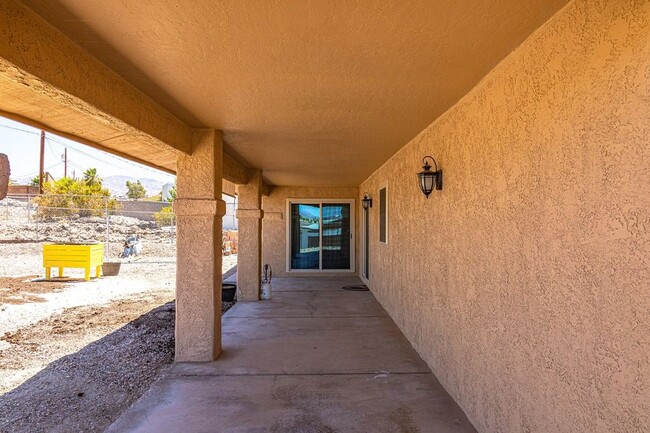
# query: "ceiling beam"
(40, 65)
(233, 171)
(266, 189)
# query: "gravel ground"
(89, 389)
(73, 354)
(33, 303)
(24, 301)
(17, 225)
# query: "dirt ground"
(75, 354)
(23, 290)
(113, 361)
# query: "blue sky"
(21, 143)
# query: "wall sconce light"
(429, 180)
(366, 202)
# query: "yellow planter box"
(73, 256)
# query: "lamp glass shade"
(366, 202)
(427, 181)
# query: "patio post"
(199, 209)
(249, 253)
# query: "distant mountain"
(117, 185)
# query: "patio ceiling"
(313, 92)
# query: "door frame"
(365, 245)
(321, 201)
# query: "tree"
(172, 193)
(67, 197)
(91, 178)
(136, 190)
(36, 181)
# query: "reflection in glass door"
(336, 236)
(305, 236)
(320, 236)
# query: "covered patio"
(520, 282)
(315, 359)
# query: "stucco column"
(199, 209)
(4, 175)
(249, 250)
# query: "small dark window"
(383, 215)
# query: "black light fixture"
(429, 180)
(366, 202)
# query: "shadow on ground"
(87, 390)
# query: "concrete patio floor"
(313, 359)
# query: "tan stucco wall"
(5, 171)
(199, 211)
(249, 255)
(47, 79)
(274, 225)
(524, 283)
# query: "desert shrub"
(135, 190)
(157, 197)
(165, 217)
(68, 197)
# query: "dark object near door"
(228, 291)
(110, 269)
(356, 288)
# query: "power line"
(76, 165)
(52, 166)
(36, 172)
(49, 145)
(117, 158)
(19, 129)
(96, 158)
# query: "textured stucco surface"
(199, 210)
(274, 225)
(249, 251)
(285, 80)
(524, 284)
(41, 68)
(5, 172)
(50, 82)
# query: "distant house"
(166, 191)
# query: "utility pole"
(42, 165)
(64, 157)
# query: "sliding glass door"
(305, 236)
(336, 235)
(320, 235)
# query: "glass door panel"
(336, 236)
(305, 236)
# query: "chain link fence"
(26, 218)
(86, 219)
